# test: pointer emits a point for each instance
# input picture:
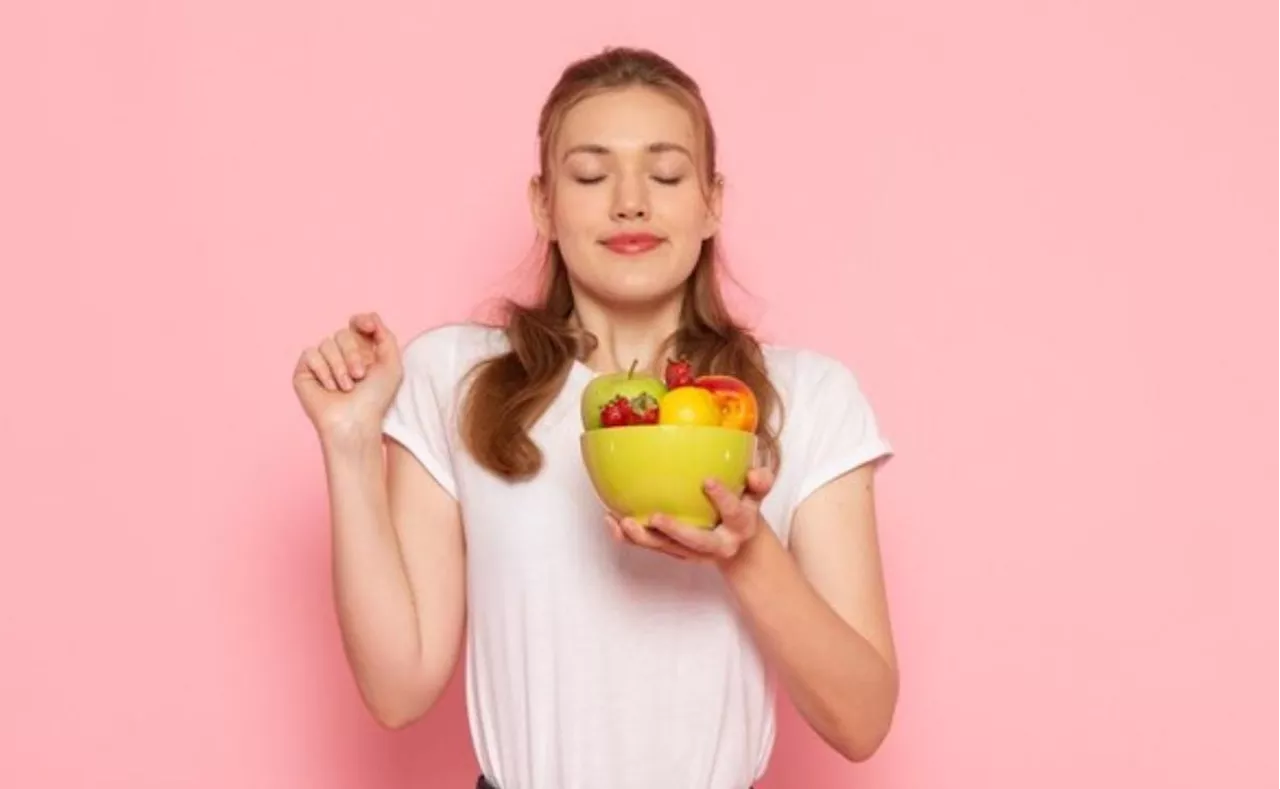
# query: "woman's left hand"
(740, 521)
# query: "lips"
(632, 243)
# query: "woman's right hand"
(347, 382)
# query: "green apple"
(639, 390)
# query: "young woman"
(600, 652)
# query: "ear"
(540, 208)
(715, 207)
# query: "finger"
(384, 339)
(370, 325)
(733, 510)
(759, 482)
(349, 345)
(614, 528)
(365, 323)
(676, 551)
(313, 362)
(384, 342)
(333, 356)
(712, 542)
(645, 538)
(633, 531)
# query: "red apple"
(738, 406)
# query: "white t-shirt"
(590, 662)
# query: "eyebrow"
(657, 147)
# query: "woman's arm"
(819, 613)
(398, 573)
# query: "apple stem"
(631, 371)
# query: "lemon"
(689, 405)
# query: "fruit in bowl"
(620, 399)
(649, 444)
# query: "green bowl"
(646, 469)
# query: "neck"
(628, 336)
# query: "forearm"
(837, 679)
(375, 605)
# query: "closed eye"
(599, 178)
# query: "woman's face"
(625, 199)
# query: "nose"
(630, 199)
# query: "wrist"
(749, 554)
(350, 438)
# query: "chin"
(654, 303)
(635, 295)
(642, 285)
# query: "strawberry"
(644, 409)
(614, 415)
(679, 373)
(621, 412)
(627, 413)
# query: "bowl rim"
(633, 429)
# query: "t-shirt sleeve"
(421, 415)
(843, 432)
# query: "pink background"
(1043, 233)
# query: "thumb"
(759, 482)
(370, 325)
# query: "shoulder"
(800, 372)
(829, 423)
(821, 395)
(448, 350)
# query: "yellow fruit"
(689, 405)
